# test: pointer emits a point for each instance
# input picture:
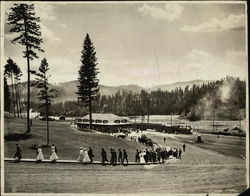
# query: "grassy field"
(214, 166)
(66, 138)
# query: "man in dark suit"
(125, 156)
(18, 155)
(119, 156)
(91, 155)
(104, 156)
(115, 156)
(137, 157)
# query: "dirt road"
(200, 170)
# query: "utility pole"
(240, 122)
(148, 110)
(171, 119)
(213, 106)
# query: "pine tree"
(9, 71)
(6, 95)
(45, 94)
(22, 20)
(88, 82)
(17, 74)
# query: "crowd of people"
(157, 155)
(151, 155)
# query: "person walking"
(184, 147)
(120, 160)
(125, 156)
(111, 156)
(142, 156)
(81, 155)
(86, 158)
(40, 156)
(137, 156)
(53, 156)
(115, 157)
(164, 139)
(91, 155)
(146, 156)
(104, 156)
(180, 151)
(55, 148)
(18, 156)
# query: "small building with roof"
(104, 122)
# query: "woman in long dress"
(40, 156)
(81, 155)
(141, 155)
(86, 158)
(53, 156)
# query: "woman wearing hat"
(86, 158)
(81, 155)
(53, 156)
(40, 156)
(142, 155)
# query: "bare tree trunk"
(47, 119)
(148, 109)
(20, 107)
(28, 95)
(90, 115)
(13, 96)
(28, 72)
(17, 102)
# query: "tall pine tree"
(6, 95)
(23, 21)
(88, 82)
(9, 72)
(45, 94)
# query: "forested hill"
(225, 99)
(66, 90)
(173, 86)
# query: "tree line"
(195, 102)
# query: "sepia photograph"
(133, 97)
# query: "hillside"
(67, 139)
(67, 90)
(170, 87)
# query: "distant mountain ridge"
(170, 87)
(67, 90)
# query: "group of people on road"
(53, 158)
(85, 156)
(40, 157)
(121, 157)
(158, 154)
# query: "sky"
(146, 44)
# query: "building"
(104, 122)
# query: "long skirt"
(142, 160)
(40, 156)
(53, 157)
(81, 157)
(86, 158)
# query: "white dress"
(141, 155)
(53, 156)
(40, 156)
(81, 156)
(86, 156)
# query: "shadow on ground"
(17, 137)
